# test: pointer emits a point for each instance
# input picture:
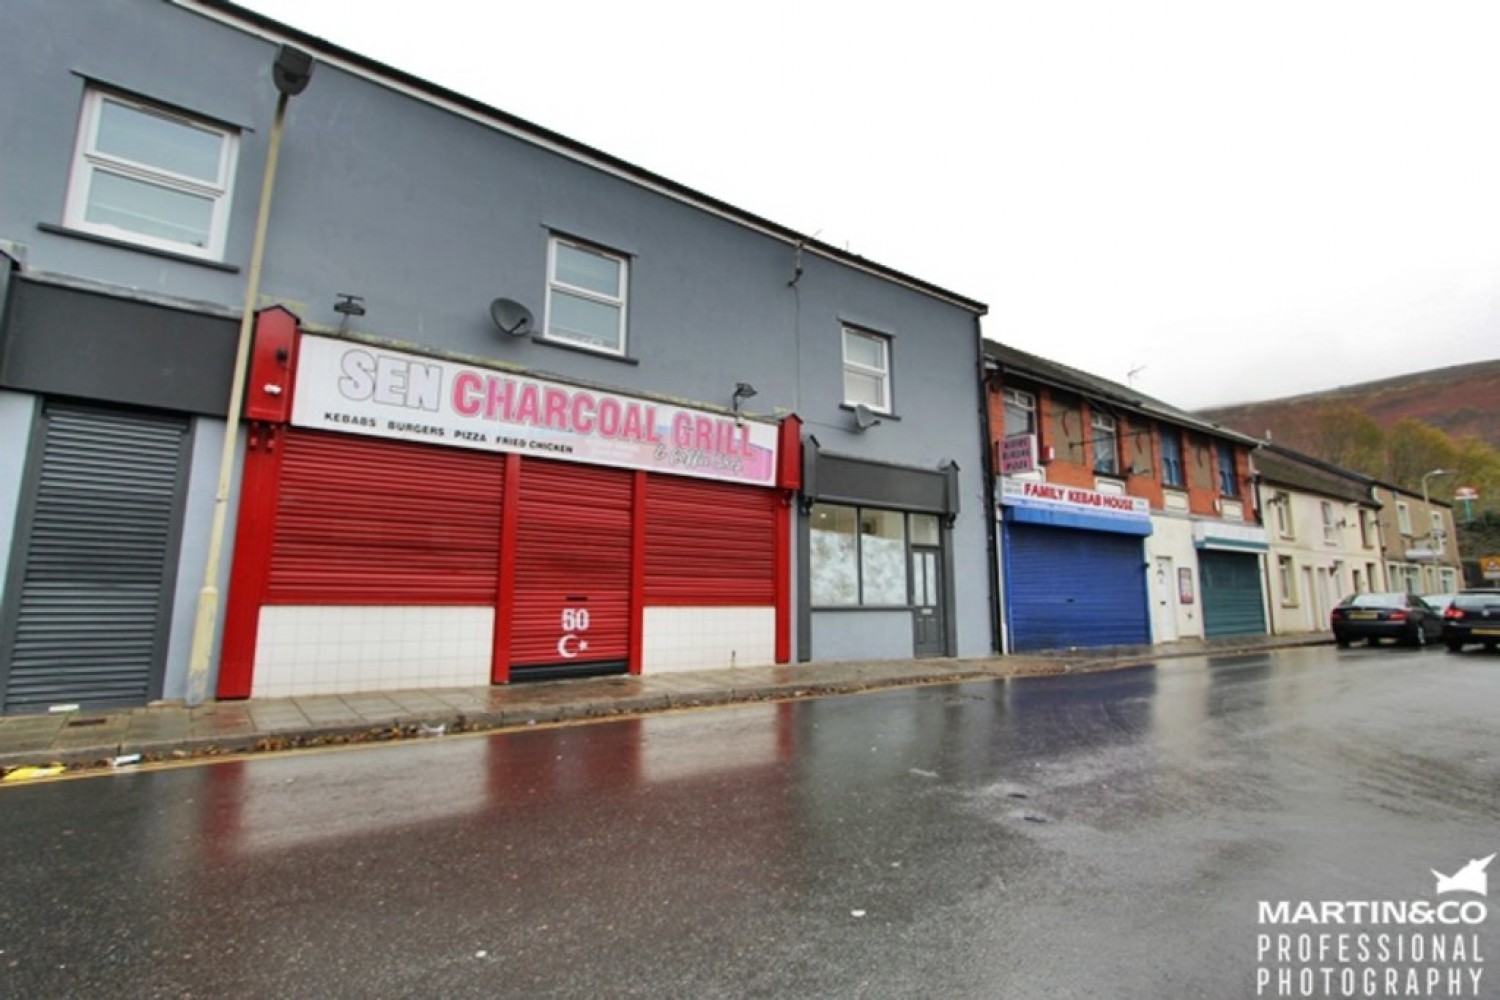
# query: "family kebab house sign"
(356, 388)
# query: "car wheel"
(1419, 636)
(1454, 647)
(1341, 642)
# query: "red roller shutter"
(709, 543)
(571, 598)
(366, 521)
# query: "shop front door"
(930, 625)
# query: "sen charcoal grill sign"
(356, 388)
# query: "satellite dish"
(511, 317)
(864, 417)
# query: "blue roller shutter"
(1231, 593)
(1066, 587)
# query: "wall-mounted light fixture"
(347, 305)
(742, 392)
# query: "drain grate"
(75, 723)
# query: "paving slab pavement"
(171, 730)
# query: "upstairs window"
(1229, 484)
(1403, 518)
(1171, 458)
(1020, 413)
(1282, 504)
(151, 176)
(1106, 445)
(586, 296)
(867, 370)
(1330, 526)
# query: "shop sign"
(1489, 567)
(1232, 537)
(1018, 454)
(360, 389)
(1025, 493)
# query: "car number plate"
(1364, 615)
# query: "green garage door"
(1232, 603)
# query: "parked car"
(1474, 616)
(1404, 617)
(1438, 602)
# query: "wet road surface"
(1105, 835)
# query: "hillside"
(1462, 401)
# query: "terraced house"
(1121, 519)
(325, 378)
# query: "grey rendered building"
(514, 407)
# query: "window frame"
(89, 162)
(861, 603)
(1330, 523)
(1228, 475)
(854, 367)
(1018, 400)
(1173, 469)
(1104, 427)
(620, 301)
(1285, 525)
(1286, 574)
(1403, 518)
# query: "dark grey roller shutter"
(1231, 593)
(91, 607)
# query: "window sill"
(109, 241)
(882, 414)
(563, 345)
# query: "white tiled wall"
(708, 638)
(327, 650)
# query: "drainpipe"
(291, 72)
(988, 471)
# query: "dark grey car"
(1400, 616)
(1473, 617)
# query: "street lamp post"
(1428, 475)
(291, 72)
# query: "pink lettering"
(499, 395)
(556, 409)
(682, 430)
(465, 387)
(526, 409)
(583, 413)
(609, 417)
(632, 429)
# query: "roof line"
(1056, 374)
(476, 110)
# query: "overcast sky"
(1235, 201)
